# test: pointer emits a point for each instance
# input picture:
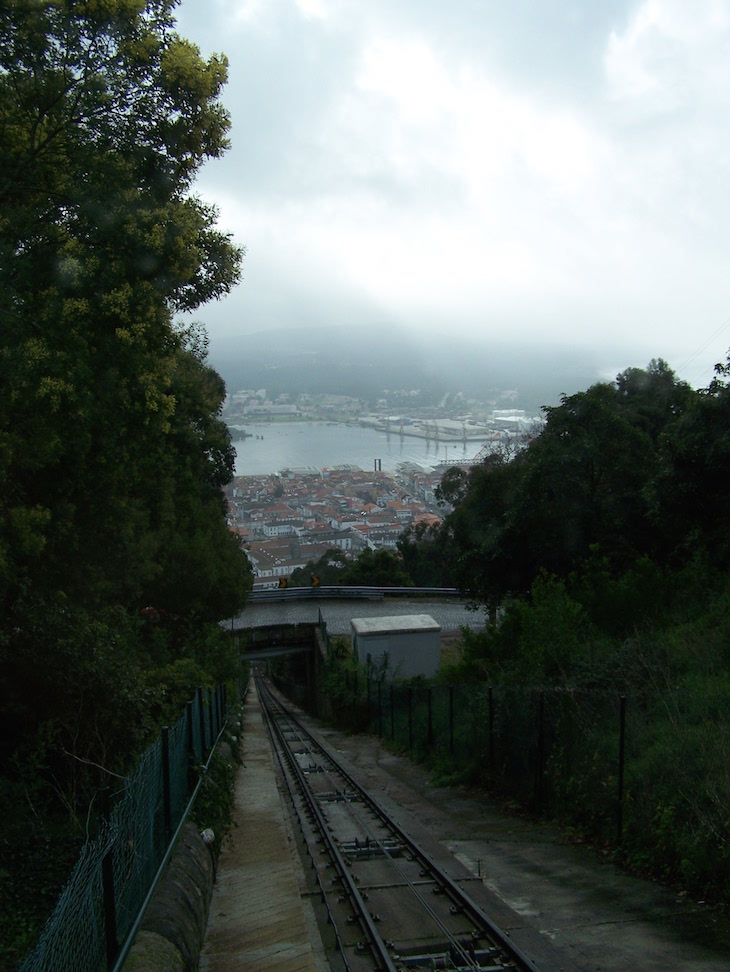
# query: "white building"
(405, 645)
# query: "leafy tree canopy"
(106, 114)
(379, 568)
(112, 449)
(603, 478)
(330, 568)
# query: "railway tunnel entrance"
(302, 645)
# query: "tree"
(106, 115)
(652, 398)
(379, 568)
(581, 485)
(112, 451)
(426, 556)
(474, 532)
(452, 487)
(690, 491)
(330, 568)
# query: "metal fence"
(646, 775)
(98, 910)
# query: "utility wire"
(713, 337)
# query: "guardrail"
(354, 593)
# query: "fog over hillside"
(365, 361)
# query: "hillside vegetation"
(601, 554)
(115, 560)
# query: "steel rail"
(377, 945)
(456, 946)
(450, 887)
(290, 790)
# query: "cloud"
(671, 56)
(558, 169)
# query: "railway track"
(388, 905)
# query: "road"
(449, 613)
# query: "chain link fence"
(114, 872)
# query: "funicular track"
(388, 905)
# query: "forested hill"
(362, 362)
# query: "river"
(274, 446)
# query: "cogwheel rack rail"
(389, 906)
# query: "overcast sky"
(552, 171)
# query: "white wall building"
(405, 645)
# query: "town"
(294, 517)
(288, 520)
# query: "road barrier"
(354, 593)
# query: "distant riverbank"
(270, 447)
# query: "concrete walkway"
(259, 919)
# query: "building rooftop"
(400, 624)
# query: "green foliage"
(170, 687)
(541, 641)
(73, 712)
(34, 866)
(72, 680)
(689, 493)
(330, 568)
(552, 632)
(612, 476)
(214, 805)
(105, 117)
(379, 568)
(115, 560)
(340, 680)
(453, 486)
(426, 556)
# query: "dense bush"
(532, 713)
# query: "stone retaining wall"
(173, 929)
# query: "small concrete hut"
(407, 644)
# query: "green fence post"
(392, 715)
(451, 719)
(410, 720)
(201, 719)
(491, 735)
(430, 718)
(166, 797)
(621, 755)
(107, 880)
(540, 760)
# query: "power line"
(713, 337)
